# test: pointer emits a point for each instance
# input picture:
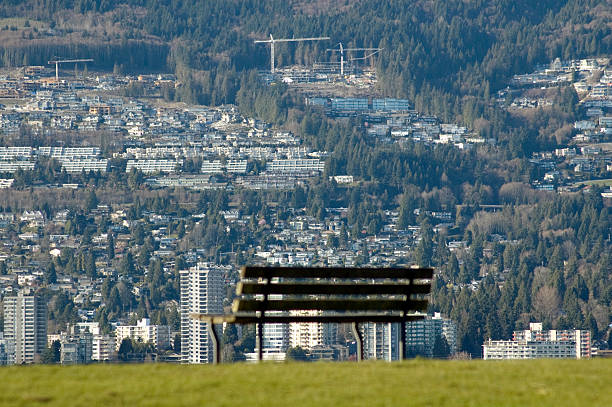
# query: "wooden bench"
(335, 294)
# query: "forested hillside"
(436, 53)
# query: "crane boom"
(354, 49)
(342, 49)
(273, 40)
(61, 61)
(364, 57)
(293, 39)
(57, 62)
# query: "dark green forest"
(447, 56)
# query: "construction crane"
(57, 62)
(342, 50)
(273, 40)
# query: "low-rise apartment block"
(295, 166)
(152, 166)
(86, 164)
(13, 166)
(537, 343)
(158, 335)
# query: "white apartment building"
(69, 152)
(15, 153)
(308, 335)
(236, 166)
(158, 335)
(528, 349)
(202, 291)
(211, 167)
(295, 166)
(186, 181)
(6, 182)
(13, 166)
(25, 327)
(380, 340)
(217, 167)
(305, 335)
(102, 345)
(152, 166)
(84, 164)
(275, 342)
(537, 343)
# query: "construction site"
(346, 72)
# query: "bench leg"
(358, 339)
(259, 341)
(215, 343)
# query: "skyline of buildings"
(202, 290)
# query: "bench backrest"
(358, 293)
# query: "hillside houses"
(587, 155)
(159, 140)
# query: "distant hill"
(434, 53)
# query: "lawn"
(413, 383)
(601, 182)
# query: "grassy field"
(601, 182)
(413, 383)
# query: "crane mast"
(273, 41)
(342, 50)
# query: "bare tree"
(546, 304)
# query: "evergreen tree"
(127, 265)
(297, 354)
(126, 349)
(110, 246)
(90, 265)
(424, 250)
(441, 350)
(50, 275)
(52, 354)
(92, 200)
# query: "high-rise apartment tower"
(25, 327)
(202, 291)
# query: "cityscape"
(308, 202)
(217, 149)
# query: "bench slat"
(331, 288)
(329, 305)
(335, 272)
(285, 319)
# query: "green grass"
(413, 383)
(601, 182)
